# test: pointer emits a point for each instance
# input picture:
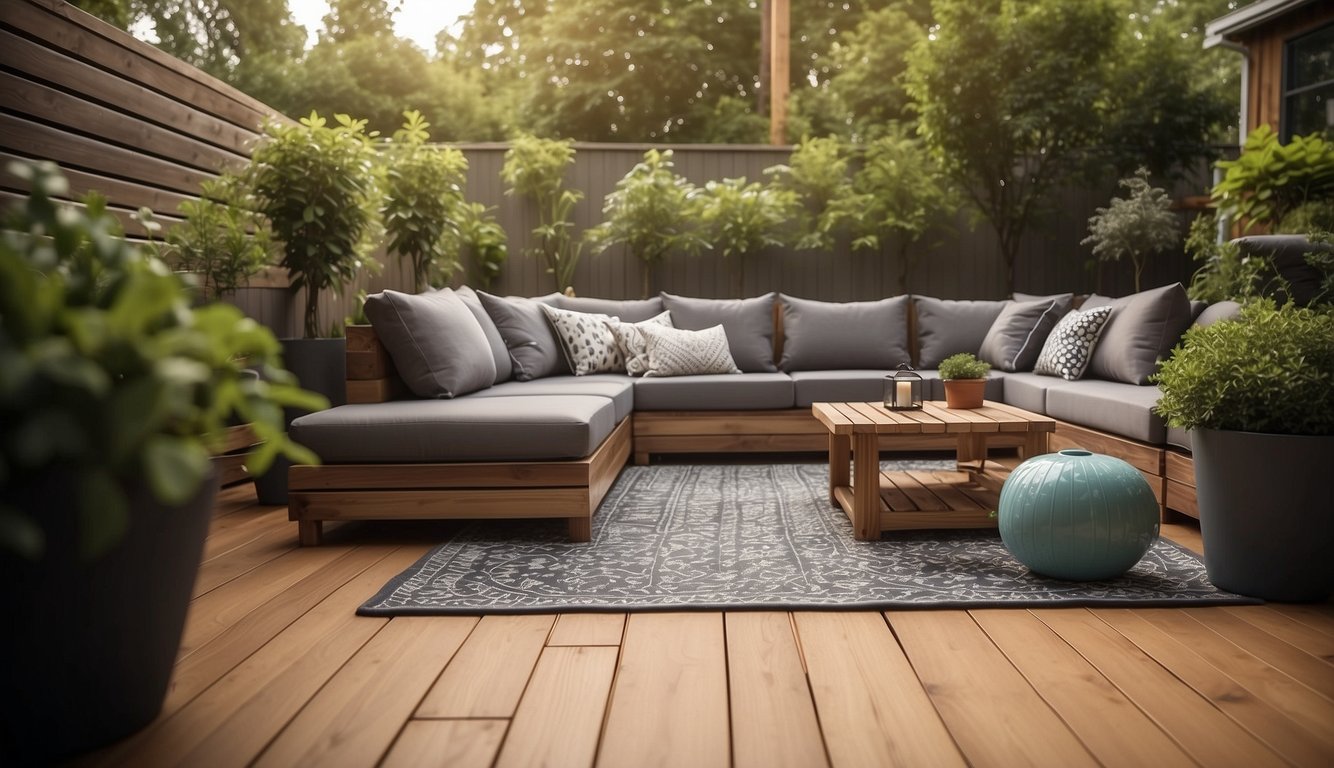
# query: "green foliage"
(1224, 274)
(963, 365)
(899, 192)
(1136, 226)
(651, 212)
(1270, 179)
(535, 168)
(315, 184)
(740, 219)
(1269, 370)
(482, 242)
(222, 238)
(107, 373)
(817, 173)
(423, 194)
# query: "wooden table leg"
(840, 454)
(1035, 444)
(972, 450)
(866, 486)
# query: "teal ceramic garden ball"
(1077, 515)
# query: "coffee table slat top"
(933, 417)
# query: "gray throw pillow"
(435, 342)
(824, 335)
(1064, 301)
(504, 369)
(1142, 330)
(749, 324)
(630, 311)
(533, 349)
(674, 352)
(1072, 343)
(946, 327)
(1016, 338)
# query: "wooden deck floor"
(275, 669)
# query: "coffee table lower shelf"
(918, 500)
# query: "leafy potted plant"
(112, 391)
(482, 242)
(535, 168)
(740, 219)
(423, 194)
(1257, 394)
(1134, 227)
(222, 240)
(965, 379)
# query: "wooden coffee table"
(878, 501)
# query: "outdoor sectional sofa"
(466, 405)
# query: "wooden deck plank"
(1301, 666)
(276, 542)
(356, 716)
(1207, 734)
(1109, 725)
(669, 701)
(447, 743)
(872, 708)
(1257, 715)
(560, 716)
(773, 715)
(1318, 616)
(1288, 629)
(231, 722)
(588, 629)
(990, 709)
(488, 674)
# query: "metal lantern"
(903, 390)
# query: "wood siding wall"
(1265, 95)
(145, 129)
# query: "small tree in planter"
(1257, 394)
(1135, 226)
(423, 195)
(740, 219)
(817, 173)
(965, 379)
(535, 168)
(482, 242)
(651, 212)
(315, 184)
(222, 240)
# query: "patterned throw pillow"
(632, 344)
(1070, 345)
(586, 340)
(674, 352)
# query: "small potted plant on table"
(965, 379)
(1257, 394)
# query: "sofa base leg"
(310, 532)
(641, 459)
(581, 528)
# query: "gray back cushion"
(749, 324)
(1142, 330)
(504, 369)
(823, 335)
(533, 349)
(1017, 335)
(437, 345)
(946, 327)
(630, 311)
(1064, 301)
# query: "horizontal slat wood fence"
(145, 130)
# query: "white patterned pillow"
(630, 340)
(588, 343)
(1069, 348)
(674, 352)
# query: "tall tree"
(1009, 96)
(220, 36)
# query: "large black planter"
(1266, 513)
(320, 365)
(89, 645)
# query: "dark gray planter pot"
(1266, 513)
(319, 365)
(89, 645)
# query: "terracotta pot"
(964, 393)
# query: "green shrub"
(1136, 226)
(1269, 370)
(1269, 180)
(482, 242)
(535, 168)
(423, 192)
(964, 365)
(222, 239)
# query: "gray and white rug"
(735, 537)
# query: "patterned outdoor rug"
(735, 537)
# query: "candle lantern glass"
(903, 390)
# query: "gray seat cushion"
(1110, 406)
(840, 386)
(722, 392)
(536, 428)
(1029, 390)
(619, 388)
(1179, 437)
